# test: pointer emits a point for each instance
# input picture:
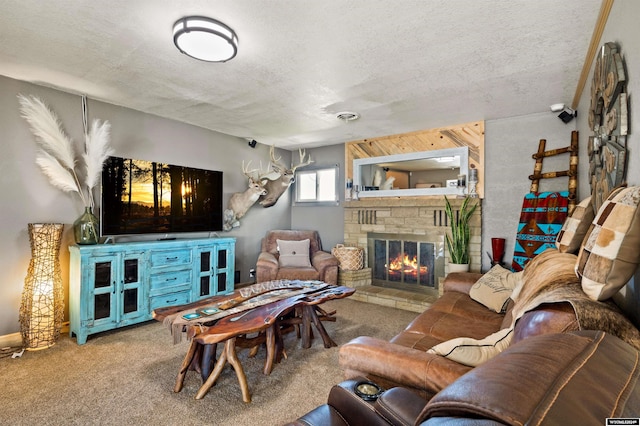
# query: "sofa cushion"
(294, 254)
(473, 352)
(575, 227)
(609, 254)
(442, 322)
(494, 288)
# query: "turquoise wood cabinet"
(114, 285)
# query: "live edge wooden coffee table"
(265, 309)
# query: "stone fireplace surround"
(406, 215)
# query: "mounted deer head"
(276, 187)
(241, 202)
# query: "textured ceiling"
(404, 65)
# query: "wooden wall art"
(608, 114)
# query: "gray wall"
(328, 220)
(27, 196)
(509, 144)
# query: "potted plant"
(458, 240)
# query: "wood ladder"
(572, 172)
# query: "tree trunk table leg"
(271, 348)
(213, 376)
(186, 363)
(327, 340)
(306, 327)
(232, 356)
(228, 355)
(207, 360)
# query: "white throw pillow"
(494, 288)
(294, 254)
(473, 352)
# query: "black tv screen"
(140, 197)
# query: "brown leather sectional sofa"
(576, 378)
(403, 361)
(569, 360)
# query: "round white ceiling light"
(205, 39)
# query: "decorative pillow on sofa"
(494, 288)
(473, 352)
(575, 227)
(609, 254)
(294, 254)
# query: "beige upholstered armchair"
(288, 254)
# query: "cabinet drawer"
(164, 258)
(169, 282)
(170, 300)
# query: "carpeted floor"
(126, 377)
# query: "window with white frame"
(317, 186)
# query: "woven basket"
(350, 258)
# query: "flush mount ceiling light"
(347, 116)
(205, 39)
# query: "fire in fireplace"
(406, 262)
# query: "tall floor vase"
(42, 307)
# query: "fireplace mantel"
(407, 215)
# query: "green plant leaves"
(458, 240)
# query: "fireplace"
(406, 261)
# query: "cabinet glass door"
(224, 271)
(205, 274)
(101, 306)
(214, 271)
(131, 289)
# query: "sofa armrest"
(460, 281)
(321, 260)
(396, 406)
(327, 266)
(400, 406)
(399, 364)
(353, 409)
(266, 267)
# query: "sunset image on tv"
(148, 197)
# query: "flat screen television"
(141, 197)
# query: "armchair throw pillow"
(609, 254)
(494, 288)
(294, 254)
(575, 227)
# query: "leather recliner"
(581, 377)
(324, 266)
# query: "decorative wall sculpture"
(608, 114)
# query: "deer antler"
(275, 162)
(249, 173)
(303, 153)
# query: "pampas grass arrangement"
(56, 155)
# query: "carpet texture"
(126, 377)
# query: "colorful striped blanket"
(541, 219)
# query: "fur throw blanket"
(550, 278)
